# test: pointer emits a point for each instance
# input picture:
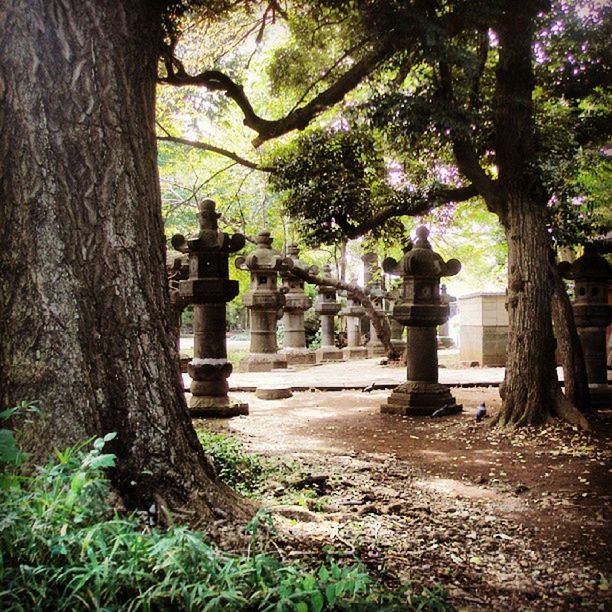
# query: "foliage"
(236, 468)
(62, 547)
(333, 180)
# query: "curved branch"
(297, 119)
(218, 150)
(418, 204)
(379, 321)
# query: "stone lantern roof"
(293, 253)
(420, 260)
(264, 257)
(209, 237)
(591, 266)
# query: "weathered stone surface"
(265, 303)
(328, 307)
(483, 331)
(420, 399)
(208, 288)
(262, 362)
(273, 393)
(296, 303)
(420, 309)
(591, 274)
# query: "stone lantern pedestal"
(353, 311)
(419, 308)
(208, 288)
(328, 307)
(177, 269)
(265, 303)
(397, 329)
(592, 313)
(444, 338)
(296, 303)
(377, 294)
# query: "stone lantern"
(209, 288)
(420, 309)
(328, 307)
(353, 311)
(397, 329)
(377, 295)
(265, 303)
(177, 269)
(296, 303)
(591, 274)
(444, 337)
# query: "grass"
(64, 547)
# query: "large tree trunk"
(84, 312)
(529, 388)
(531, 392)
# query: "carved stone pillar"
(328, 307)
(377, 294)
(419, 308)
(444, 337)
(353, 312)
(177, 269)
(208, 288)
(296, 303)
(397, 329)
(265, 303)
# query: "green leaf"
(330, 593)
(317, 601)
(323, 574)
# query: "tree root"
(565, 410)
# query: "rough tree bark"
(569, 346)
(84, 312)
(531, 392)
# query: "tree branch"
(418, 204)
(218, 150)
(465, 152)
(297, 119)
(379, 321)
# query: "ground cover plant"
(64, 546)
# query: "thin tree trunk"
(572, 358)
(84, 309)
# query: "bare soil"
(514, 520)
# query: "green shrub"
(240, 470)
(62, 547)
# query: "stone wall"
(483, 329)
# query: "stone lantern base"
(376, 349)
(262, 362)
(420, 399)
(299, 356)
(221, 407)
(354, 352)
(326, 354)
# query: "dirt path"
(516, 521)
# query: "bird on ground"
(481, 412)
(369, 388)
(440, 412)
